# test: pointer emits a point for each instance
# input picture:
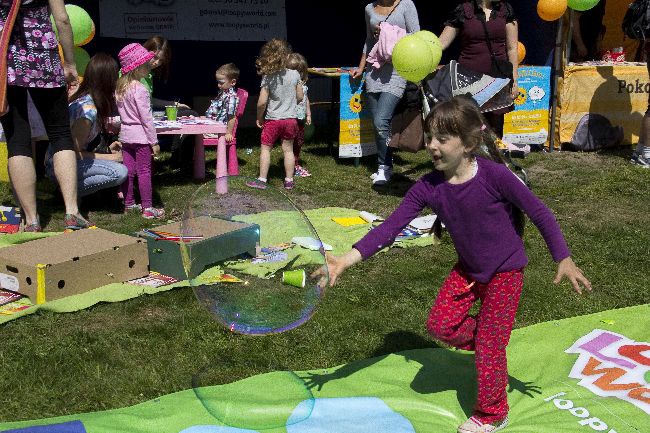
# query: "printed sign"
(197, 20)
(356, 133)
(528, 124)
(612, 365)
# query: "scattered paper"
(370, 217)
(274, 257)
(311, 243)
(423, 223)
(154, 279)
(349, 221)
(223, 278)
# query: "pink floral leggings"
(487, 333)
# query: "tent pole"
(557, 69)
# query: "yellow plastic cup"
(171, 111)
(294, 278)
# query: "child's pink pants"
(137, 159)
(487, 333)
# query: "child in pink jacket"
(137, 133)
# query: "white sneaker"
(640, 160)
(383, 176)
(473, 425)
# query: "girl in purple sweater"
(480, 201)
(137, 131)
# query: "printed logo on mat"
(612, 365)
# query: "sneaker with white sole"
(383, 175)
(640, 160)
(132, 207)
(474, 425)
(153, 213)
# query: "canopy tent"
(613, 37)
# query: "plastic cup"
(171, 111)
(294, 278)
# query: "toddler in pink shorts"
(281, 91)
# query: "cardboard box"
(221, 240)
(72, 263)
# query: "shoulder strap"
(392, 10)
(487, 37)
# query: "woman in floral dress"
(34, 67)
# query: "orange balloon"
(551, 10)
(521, 50)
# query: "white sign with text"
(196, 20)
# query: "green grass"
(115, 355)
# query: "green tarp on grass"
(579, 375)
(341, 238)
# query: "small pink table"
(198, 126)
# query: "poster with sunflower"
(529, 122)
(356, 133)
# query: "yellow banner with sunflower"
(529, 123)
(356, 133)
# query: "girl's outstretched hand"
(336, 265)
(567, 268)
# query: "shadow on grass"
(441, 369)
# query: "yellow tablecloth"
(618, 92)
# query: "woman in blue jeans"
(90, 114)
(384, 87)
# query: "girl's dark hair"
(460, 117)
(160, 46)
(99, 82)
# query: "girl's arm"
(367, 46)
(300, 94)
(307, 111)
(80, 130)
(261, 105)
(447, 36)
(512, 42)
(380, 237)
(411, 19)
(143, 103)
(62, 21)
(518, 194)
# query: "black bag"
(636, 23)
(501, 68)
(596, 132)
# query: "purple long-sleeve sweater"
(478, 216)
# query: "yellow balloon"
(551, 10)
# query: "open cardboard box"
(68, 264)
(220, 240)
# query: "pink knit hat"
(132, 56)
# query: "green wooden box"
(221, 240)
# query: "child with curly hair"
(281, 91)
(298, 63)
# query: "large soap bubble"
(249, 254)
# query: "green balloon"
(81, 59)
(647, 376)
(413, 58)
(434, 45)
(582, 5)
(83, 28)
